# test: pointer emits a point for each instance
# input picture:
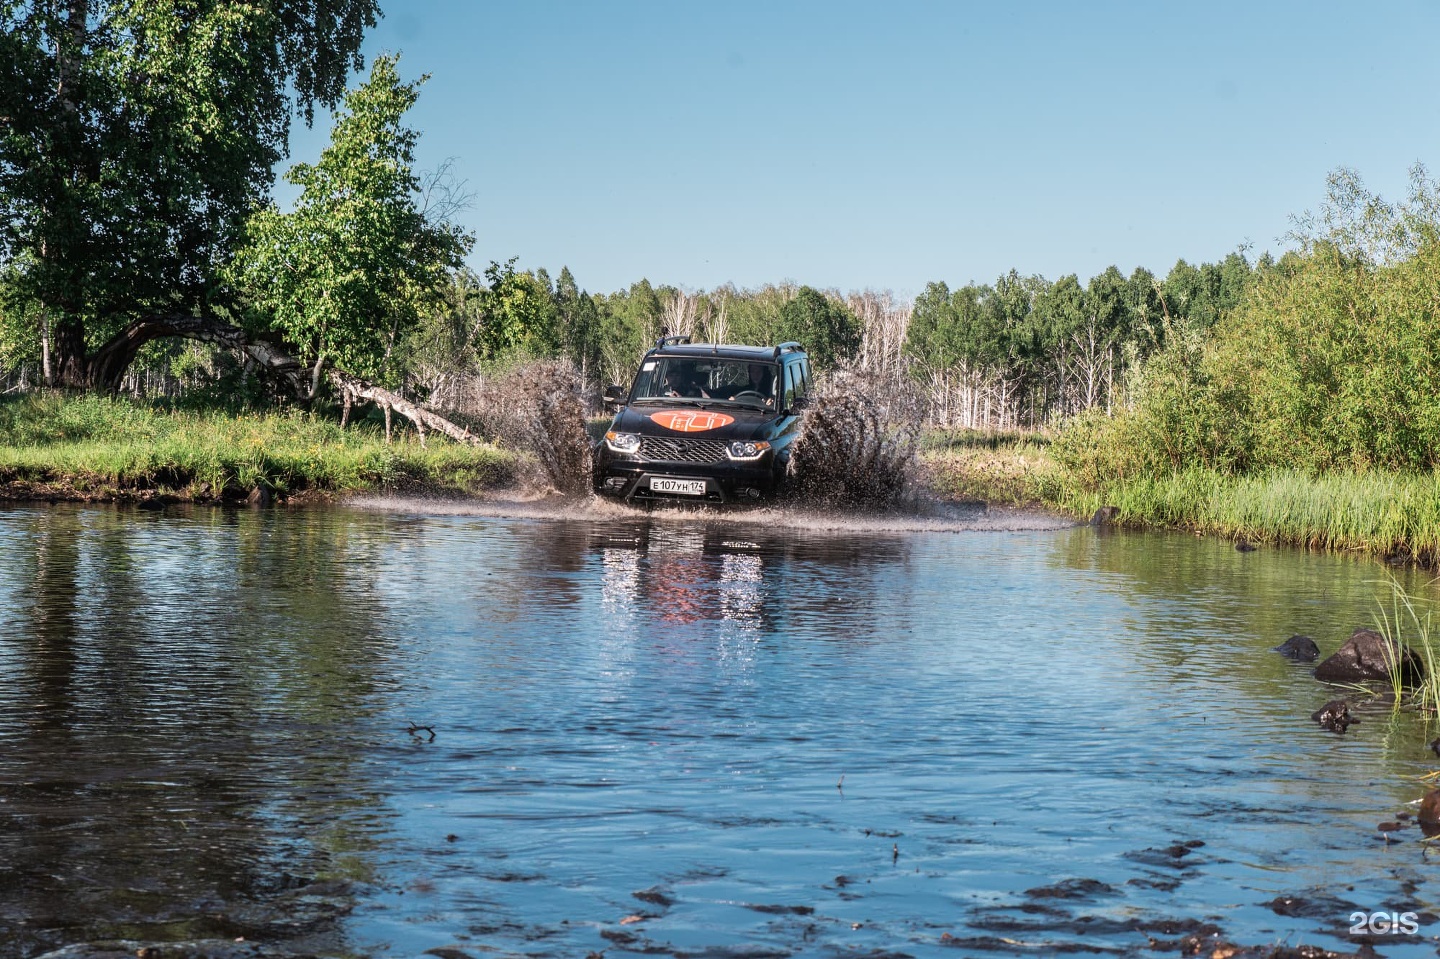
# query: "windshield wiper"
(739, 404)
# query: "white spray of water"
(859, 442)
(922, 516)
(538, 408)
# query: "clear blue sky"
(885, 145)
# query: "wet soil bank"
(146, 493)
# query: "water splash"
(554, 423)
(538, 407)
(924, 515)
(859, 442)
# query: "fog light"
(752, 493)
(614, 482)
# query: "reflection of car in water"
(704, 423)
(689, 572)
(686, 574)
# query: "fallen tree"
(537, 408)
(109, 362)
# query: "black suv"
(704, 423)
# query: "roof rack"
(666, 340)
(788, 347)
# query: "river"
(399, 727)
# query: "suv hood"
(718, 421)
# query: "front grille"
(679, 450)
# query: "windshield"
(705, 381)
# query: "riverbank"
(1391, 516)
(96, 449)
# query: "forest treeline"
(1328, 363)
(1020, 352)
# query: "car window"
(789, 386)
(698, 379)
(801, 386)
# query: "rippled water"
(786, 739)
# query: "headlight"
(622, 442)
(744, 450)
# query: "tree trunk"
(68, 364)
(421, 417)
(47, 376)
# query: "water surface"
(680, 734)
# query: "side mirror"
(614, 395)
(800, 404)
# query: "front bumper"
(729, 482)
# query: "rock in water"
(1334, 716)
(1105, 516)
(1367, 657)
(1429, 814)
(1302, 649)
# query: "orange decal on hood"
(691, 421)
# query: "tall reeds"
(1384, 514)
(1405, 622)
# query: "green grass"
(1384, 514)
(97, 447)
(1406, 621)
(957, 438)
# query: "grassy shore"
(96, 448)
(1391, 515)
(1388, 515)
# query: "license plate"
(663, 484)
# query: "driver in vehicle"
(759, 384)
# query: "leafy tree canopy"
(136, 136)
(350, 270)
(826, 328)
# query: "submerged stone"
(1429, 814)
(196, 949)
(1367, 657)
(1334, 716)
(1072, 889)
(1316, 905)
(1299, 648)
(656, 895)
